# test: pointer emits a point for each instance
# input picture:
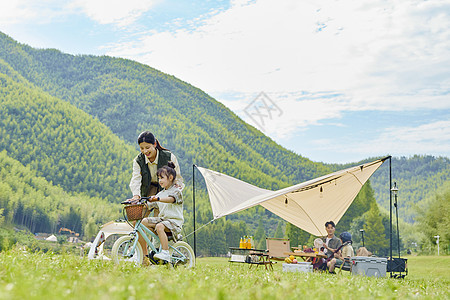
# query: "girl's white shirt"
(172, 211)
(347, 251)
(136, 177)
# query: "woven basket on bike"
(136, 211)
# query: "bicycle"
(127, 248)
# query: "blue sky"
(340, 80)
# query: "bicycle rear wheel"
(121, 251)
(184, 260)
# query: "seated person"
(319, 245)
(319, 263)
(331, 242)
(345, 252)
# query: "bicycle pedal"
(152, 259)
(162, 262)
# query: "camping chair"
(324, 268)
(346, 267)
(277, 248)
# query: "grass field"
(26, 275)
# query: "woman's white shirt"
(136, 178)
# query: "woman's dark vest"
(146, 183)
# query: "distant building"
(52, 238)
(41, 235)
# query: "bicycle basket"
(136, 211)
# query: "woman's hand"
(133, 200)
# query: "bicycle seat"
(170, 237)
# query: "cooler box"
(237, 258)
(369, 266)
(305, 267)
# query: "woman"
(144, 181)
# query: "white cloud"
(118, 12)
(431, 138)
(427, 138)
(315, 59)
(296, 111)
(13, 11)
(375, 55)
(27, 11)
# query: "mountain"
(129, 97)
(72, 121)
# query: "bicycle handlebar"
(138, 201)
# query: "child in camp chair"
(345, 252)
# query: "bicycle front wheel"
(121, 251)
(187, 257)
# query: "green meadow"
(25, 275)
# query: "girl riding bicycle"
(144, 180)
(169, 202)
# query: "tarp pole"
(193, 199)
(396, 217)
(390, 211)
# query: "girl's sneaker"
(163, 255)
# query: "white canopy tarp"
(307, 205)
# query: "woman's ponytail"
(159, 147)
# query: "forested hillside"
(31, 201)
(43, 130)
(62, 143)
(72, 121)
(418, 179)
(130, 97)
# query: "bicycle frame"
(143, 231)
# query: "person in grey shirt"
(330, 242)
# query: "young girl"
(169, 201)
